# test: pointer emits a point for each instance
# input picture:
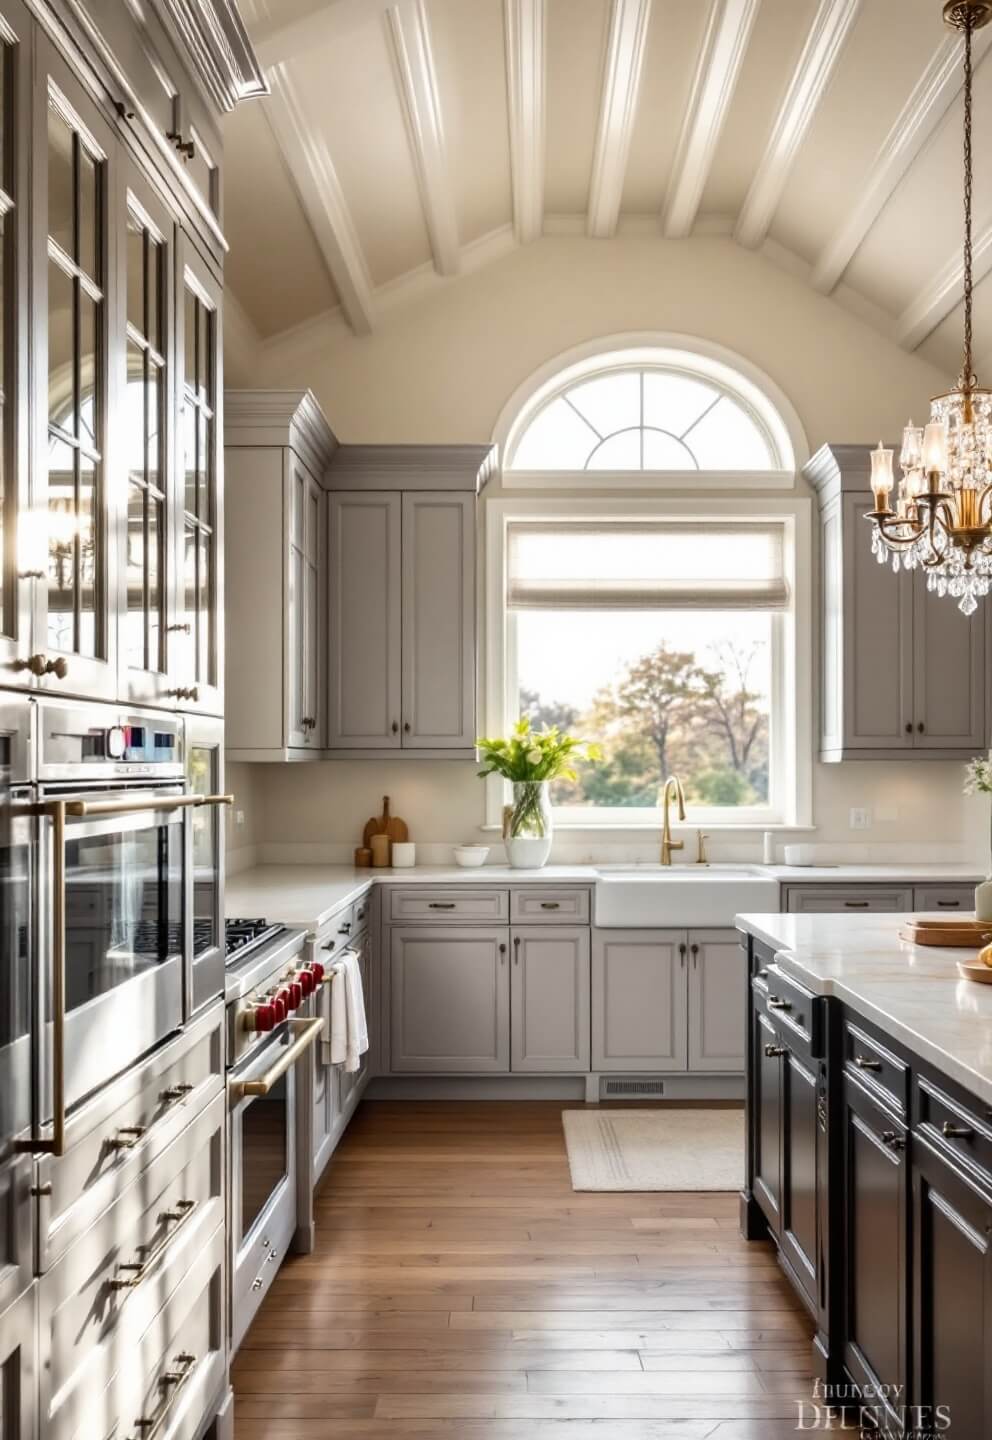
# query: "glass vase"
(527, 825)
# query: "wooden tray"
(975, 970)
(972, 934)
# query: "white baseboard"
(550, 1087)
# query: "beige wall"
(441, 370)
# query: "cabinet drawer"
(881, 1071)
(794, 1007)
(115, 1137)
(837, 900)
(336, 934)
(535, 905)
(116, 1277)
(171, 1373)
(463, 905)
(944, 897)
(363, 913)
(955, 1130)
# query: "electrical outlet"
(239, 817)
(860, 820)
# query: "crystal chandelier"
(940, 519)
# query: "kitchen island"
(869, 1160)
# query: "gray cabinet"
(276, 443)
(842, 899)
(717, 1001)
(18, 1368)
(904, 672)
(549, 999)
(449, 1000)
(639, 997)
(402, 621)
(364, 621)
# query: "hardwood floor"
(460, 1290)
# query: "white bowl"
(469, 856)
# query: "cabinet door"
(449, 1000)
(150, 634)
(22, 560)
(875, 1205)
(77, 348)
(438, 621)
(549, 999)
(201, 515)
(876, 666)
(18, 1370)
(766, 1121)
(949, 674)
(717, 1001)
(324, 1101)
(363, 607)
(639, 1000)
(952, 1303)
(304, 619)
(798, 1225)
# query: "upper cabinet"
(402, 599)
(111, 501)
(277, 446)
(904, 672)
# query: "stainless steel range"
(268, 988)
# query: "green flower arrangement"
(535, 755)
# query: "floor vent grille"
(633, 1087)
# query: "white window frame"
(791, 721)
(696, 359)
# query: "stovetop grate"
(240, 936)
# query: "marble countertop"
(911, 992)
(309, 895)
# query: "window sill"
(652, 827)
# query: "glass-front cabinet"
(74, 255)
(20, 565)
(198, 345)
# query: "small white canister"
(404, 855)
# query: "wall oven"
(113, 809)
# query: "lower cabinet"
(549, 999)
(952, 1278)
(639, 1000)
(875, 1192)
(449, 1000)
(717, 1000)
(18, 1371)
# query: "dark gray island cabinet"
(870, 1170)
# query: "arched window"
(651, 410)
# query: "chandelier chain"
(967, 378)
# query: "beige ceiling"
(409, 138)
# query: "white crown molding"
(618, 109)
(291, 418)
(944, 293)
(525, 30)
(831, 26)
(309, 163)
(725, 41)
(409, 34)
(217, 43)
(932, 96)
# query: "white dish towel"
(349, 1028)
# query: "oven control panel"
(103, 741)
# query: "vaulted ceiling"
(408, 142)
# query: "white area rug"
(655, 1149)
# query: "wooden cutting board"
(386, 824)
(964, 933)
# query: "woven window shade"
(555, 565)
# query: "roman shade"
(651, 565)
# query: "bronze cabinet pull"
(171, 1383)
(956, 1132)
(775, 1002)
(864, 1063)
(140, 1268)
(774, 1051)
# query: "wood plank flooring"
(460, 1290)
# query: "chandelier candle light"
(941, 516)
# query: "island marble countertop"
(310, 894)
(912, 992)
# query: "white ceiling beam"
(944, 293)
(276, 41)
(410, 37)
(618, 109)
(312, 171)
(526, 29)
(932, 97)
(728, 30)
(831, 27)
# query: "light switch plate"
(860, 820)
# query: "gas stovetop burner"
(244, 935)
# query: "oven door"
(205, 893)
(262, 1095)
(112, 905)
